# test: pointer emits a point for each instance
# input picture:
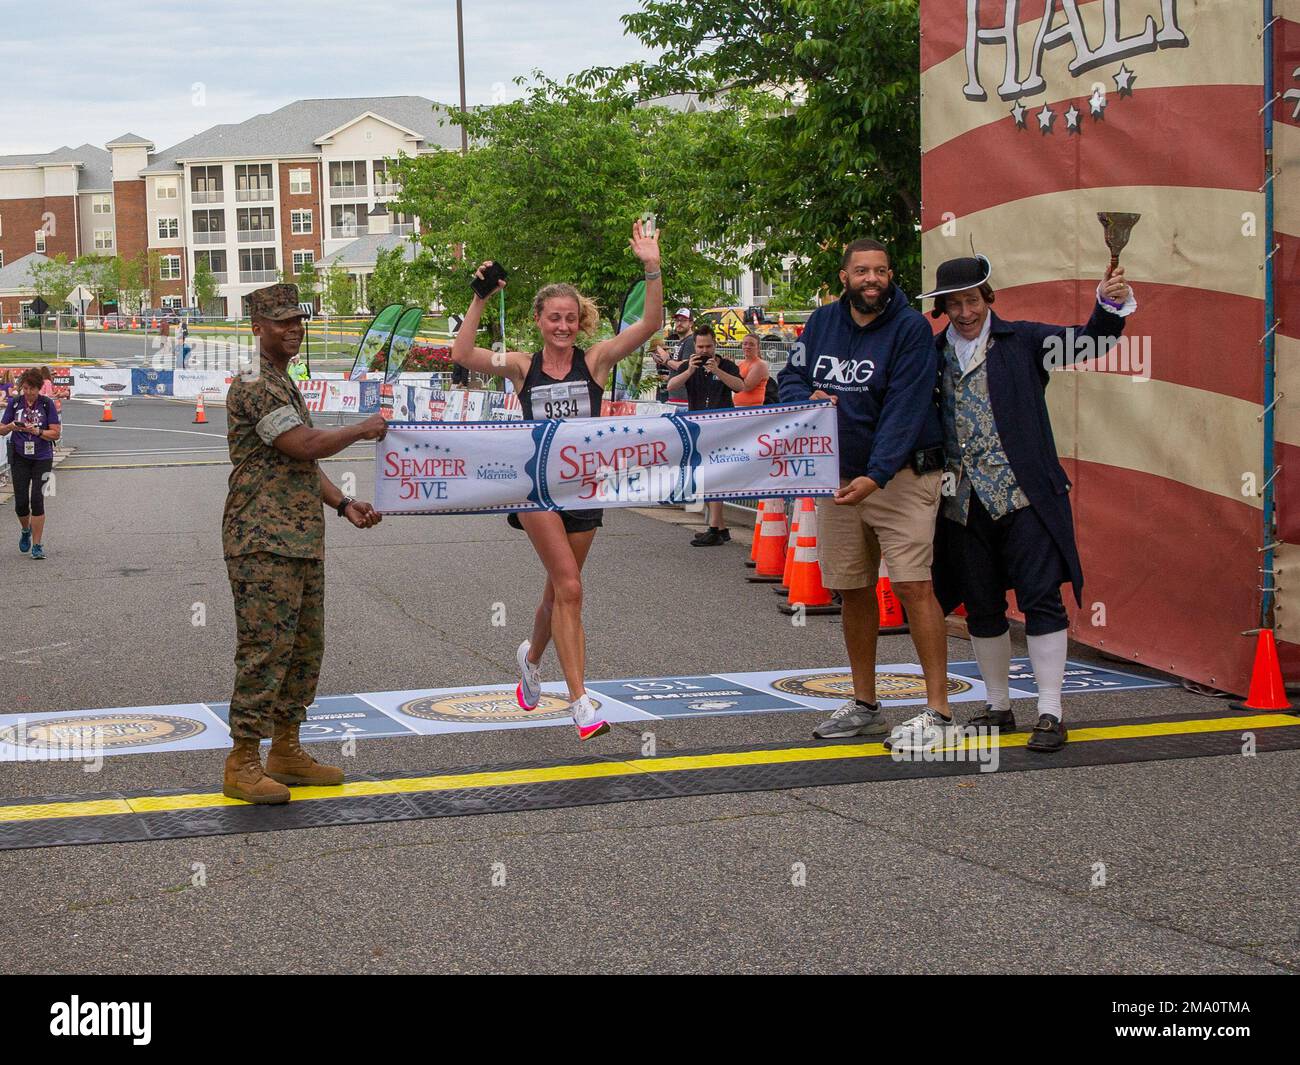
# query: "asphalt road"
(984, 874)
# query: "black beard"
(865, 306)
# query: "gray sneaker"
(852, 720)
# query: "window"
(299, 182)
(174, 303)
(101, 204)
(300, 221)
(209, 227)
(40, 240)
(256, 259)
(169, 228)
(2, 260)
(216, 260)
(348, 175)
(169, 268)
(301, 259)
(255, 223)
(2, 226)
(348, 220)
(206, 184)
(166, 188)
(253, 181)
(103, 240)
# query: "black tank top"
(576, 396)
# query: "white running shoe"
(928, 731)
(585, 719)
(529, 691)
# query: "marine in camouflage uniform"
(273, 539)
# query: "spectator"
(754, 372)
(709, 384)
(34, 421)
(680, 346)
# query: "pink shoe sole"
(519, 698)
(591, 731)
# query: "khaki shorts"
(897, 522)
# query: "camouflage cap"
(276, 302)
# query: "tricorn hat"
(957, 275)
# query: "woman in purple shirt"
(33, 420)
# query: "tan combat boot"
(290, 764)
(244, 777)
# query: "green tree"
(829, 95)
(551, 189)
(340, 291)
(54, 280)
(388, 282)
(100, 274)
(205, 286)
(133, 283)
(308, 282)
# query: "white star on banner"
(1072, 119)
(1018, 113)
(1045, 119)
(1124, 79)
(1097, 104)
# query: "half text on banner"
(486, 467)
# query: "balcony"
(256, 236)
(349, 192)
(207, 196)
(219, 276)
(258, 276)
(389, 189)
(247, 195)
(341, 232)
(210, 237)
(404, 229)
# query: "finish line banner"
(581, 464)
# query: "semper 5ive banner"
(580, 464)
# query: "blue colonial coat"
(1017, 377)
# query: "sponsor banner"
(431, 712)
(92, 381)
(343, 396)
(826, 689)
(693, 696)
(475, 406)
(313, 393)
(369, 401)
(487, 467)
(336, 717)
(82, 734)
(148, 382)
(189, 384)
(1079, 678)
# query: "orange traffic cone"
(107, 415)
(200, 414)
(807, 593)
(791, 543)
(771, 545)
(891, 610)
(135, 323)
(753, 547)
(155, 322)
(1267, 692)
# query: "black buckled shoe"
(712, 538)
(1048, 735)
(990, 718)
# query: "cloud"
(87, 79)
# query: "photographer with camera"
(710, 383)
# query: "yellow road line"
(497, 778)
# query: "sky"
(167, 69)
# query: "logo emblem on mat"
(488, 707)
(96, 730)
(840, 686)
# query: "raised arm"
(485, 360)
(602, 357)
(1064, 345)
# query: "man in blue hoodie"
(874, 357)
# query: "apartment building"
(250, 198)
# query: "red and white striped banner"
(1037, 115)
